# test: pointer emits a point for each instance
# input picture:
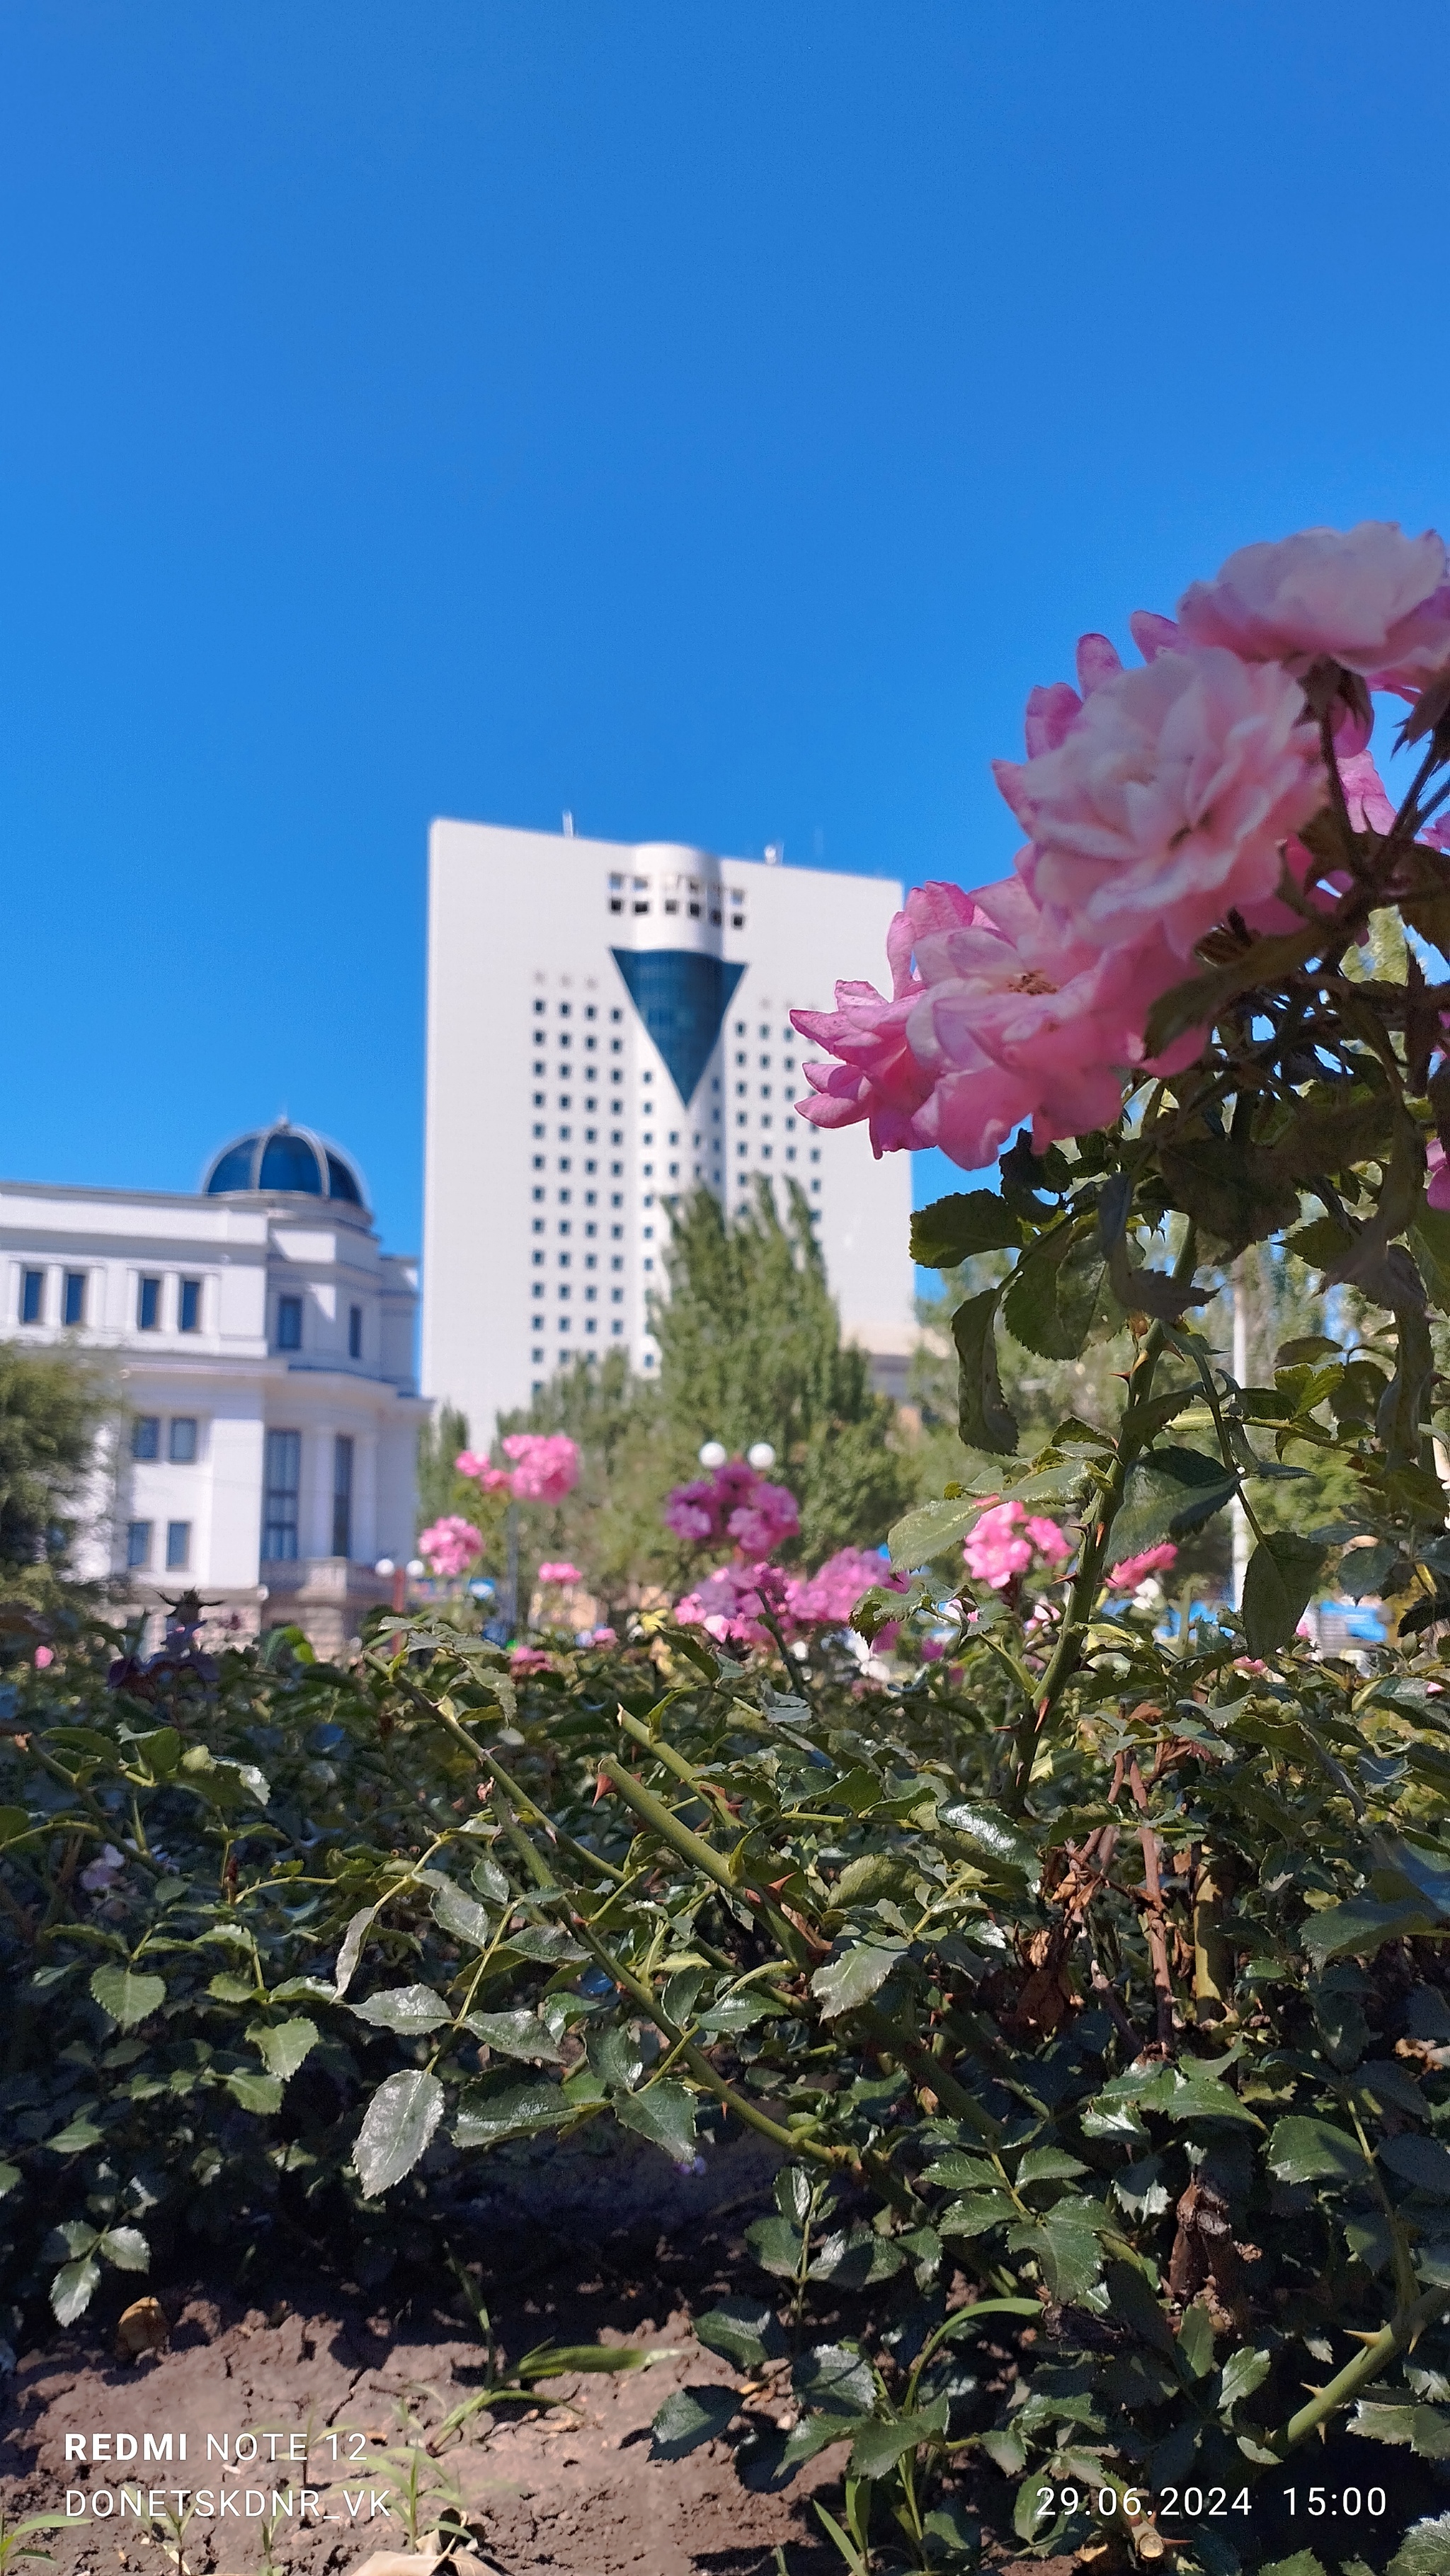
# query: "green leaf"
(558, 2360)
(1243, 2372)
(1359, 1928)
(1047, 2164)
(351, 1950)
(1282, 1574)
(854, 1976)
(974, 2215)
(230, 1989)
(9, 2177)
(458, 1914)
(126, 1996)
(953, 1230)
(1422, 2162)
(397, 2125)
(1170, 1492)
(931, 1530)
(517, 2111)
(879, 2445)
(409, 2009)
(1426, 2429)
(15, 1824)
(490, 1881)
(665, 2114)
(994, 1841)
(73, 2288)
(744, 2331)
(1067, 2246)
(813, 2434)
(282, 2046)
(956, 2172)
(127, 2248)
(776, 2246)
(1306, 2150)
(835, 2379)
(78, 2134)
(1131, 2299)
(1425, 2549)
(983, 1418)
(1303, 2563)
(688, 2418)
(254, 2092)
(1195, 2341)
(1054, 1293)
(515, 2034)
(1194, 2092)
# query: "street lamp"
(713, 1455)
(760, 1456)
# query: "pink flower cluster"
(559, 1570)
(733, 1503)
(1006, 1540)
(1156, 800)
(449, 1545)
(545, 1469)
(1136, 1569)
(728, 1603)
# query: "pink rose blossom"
(1167, 799)
(1005, 1019)
(734, 1503)
(827, 1598)
(602, 1637)
(1136, 1569)
(727, 1606)
(878, 1078)
(1371, 598)
(546, 1465)
(1437, 1194)
(529, 1659)
(1004, 1541)
(450, 1544)
(482, 1472)
(44, 1655)
(560, 1572)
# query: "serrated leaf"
(995, 1842)
(931, 1530)
(127, 1995)
(1308, 2150)
(1281, 1576)
(879, 2444)
(1422, 2162)
(1054, 1294)
(1426, 2429)
(228, 1989)
(1169, 1493)
(1243, 2372)
(689, 2417)
(957, 2172)
(1359, 1928)
(776, 2246)
(127, 2248)
(665, 2114)
(1303, 2562)
(515, 2034)
(955, 1229)
(1047, 2164)
(73, 2288)
(460, 1915)
(1425, 2549)
(78, 2134)
(1195, 2341)
(351, 1950)
(984, 1419)
(9, 2177)
(744, 2331)
(517, 2111)
(835, 2379)
(855, 1976)
(976, 2213)
(282, 2046)
(260, 2093)
(397, 2126)
(409, 2009)
(490, 1881)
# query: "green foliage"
(440, 1487)
(751, 1349)
(52, 1406)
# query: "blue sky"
(710, 419)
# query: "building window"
(354, 1332)
(146, 1436)
(32, 1295)
(289, 1323)
(342, 1495)
(182, 1449)
(189, 1306)
(178, 1546)
(148, 1305)
(279, 1501)
(73, 1304)
(138, 1544)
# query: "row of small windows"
(140, 1538)
(282, 1490)
(687, 895)
(182, 1438)
(74, 1295)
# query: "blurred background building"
(608, 1027)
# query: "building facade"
(608, 1026)
(260, 1346)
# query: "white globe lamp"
(713, 1454)
(760, 1456)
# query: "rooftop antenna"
(568, 824)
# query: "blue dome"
(285, 1160)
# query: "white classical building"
(608, 1026)
(260, 1343)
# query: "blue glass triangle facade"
(682, 998)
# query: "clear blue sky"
(710, 418)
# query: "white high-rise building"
(608, 1027)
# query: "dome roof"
(282, 1159)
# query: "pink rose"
(560, 1572)
(44, 1655)
(449, 1545)
(878, 1077)
(1371, 598)
(546, 1465)
(1167, 800)
(1136, 1569)
(1004, 1541)
(827, 1598)
(529, 1659)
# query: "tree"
(610, 1526)
(52, 1404)
(751, 1349)
(440, 1487)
